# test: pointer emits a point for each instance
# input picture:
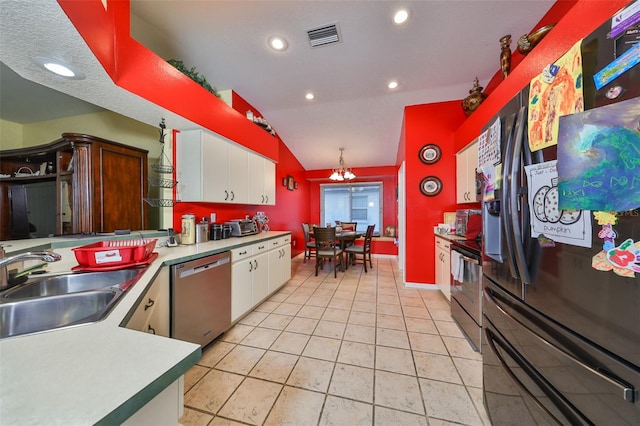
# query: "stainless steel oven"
(466, 292)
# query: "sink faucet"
(47, 256)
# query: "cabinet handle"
(256, 268)
(151, 329)
(266, 199)
(233, 195)
(226, 195)
(243, 252)
(149, 304)
(250, 266)
(262, 199)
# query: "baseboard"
(422, 286)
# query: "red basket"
(114, 252)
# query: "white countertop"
(99, 372)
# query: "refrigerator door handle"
(513, 199)
(628, 391)
(505, 213)
(564, 406)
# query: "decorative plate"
(430, 153)
(430, 186)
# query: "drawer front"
(261, 247)
(285, 240)
(242, 252)
(443, 244)
(274, 244)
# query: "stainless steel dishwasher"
(201, 298)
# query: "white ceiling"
(434, 57)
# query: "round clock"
(430, 153)
(430, 186)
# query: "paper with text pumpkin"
(562, 226)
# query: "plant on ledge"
(193, 75)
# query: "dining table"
(345, 238)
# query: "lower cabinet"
(256, 272)
(443, 266)
(152, 313)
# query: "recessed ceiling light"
(309, 96)
(401, 16)
(392, 84)
(278, 43)
(59, 68)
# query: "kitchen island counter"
(97, 373)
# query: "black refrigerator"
(561, 312)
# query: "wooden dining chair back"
(327, 248)
(363, 250)
(349, 226)
(309, 243)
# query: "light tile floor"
(357, 350)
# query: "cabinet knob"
(149, 304)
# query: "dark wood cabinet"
(88, 184)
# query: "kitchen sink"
(72, 283)
(45, 313)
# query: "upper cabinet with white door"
(466, 164)
(262, 182)
(211, 168)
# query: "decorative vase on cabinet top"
(475, 98)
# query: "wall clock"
(430, 153)
(430, 186)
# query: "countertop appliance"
(242, 227)
(561, 339)
(462, 220)
(201, 298)
(466, 291)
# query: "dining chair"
(309, 243)
(364, 250)
(349, 226)
(327, 248)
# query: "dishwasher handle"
(202, 268)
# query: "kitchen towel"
(457, 266)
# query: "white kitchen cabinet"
(279, 263)
(466, 164)
(262, 180)
(211, 168)
(152, 313)
(443, 266)
(257, 271)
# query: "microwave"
(242, 227)
(462, 220)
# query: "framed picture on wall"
(290, 183)
(389, 231)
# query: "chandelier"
(342, 172)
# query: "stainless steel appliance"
(561, 339)
(462, 219)
(466, 291)
(242, 227)
(201, 298)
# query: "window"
(360, 203)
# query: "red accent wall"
(423, 124)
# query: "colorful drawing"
(555, 92)
(599, 158)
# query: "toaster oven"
(242, 227)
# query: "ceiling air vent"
(324, 35)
